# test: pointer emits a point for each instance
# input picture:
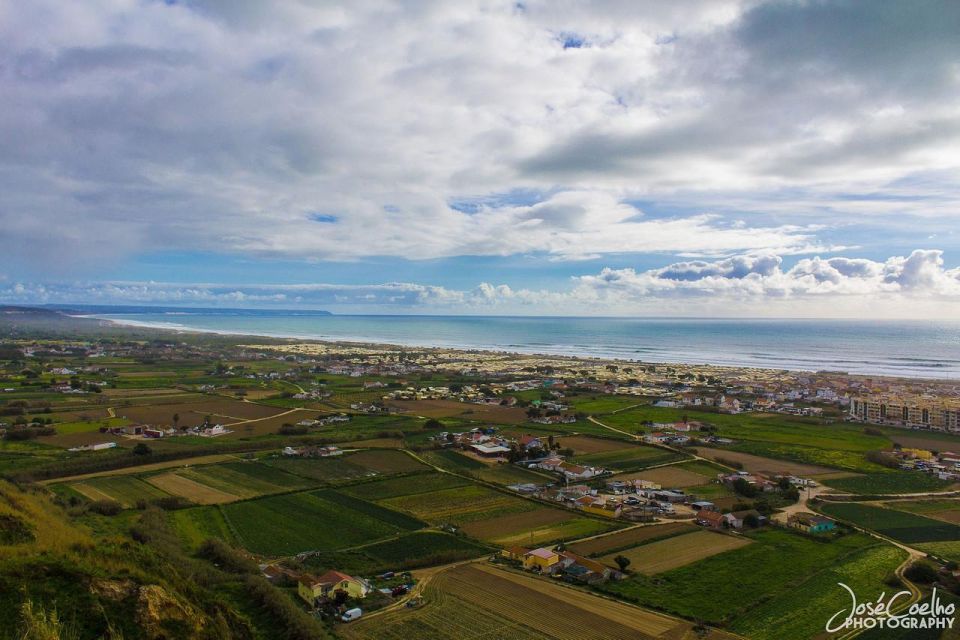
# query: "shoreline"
(360, 342)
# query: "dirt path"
(276, 415)
(606, 426)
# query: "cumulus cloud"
(912, 285)
(921, 274)
(339, 132)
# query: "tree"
(176, 419)
(744, 488)
(623, 562)
(921, 572)
(751, 521)
(142, 449)
(433, 425)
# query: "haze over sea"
(900, 348)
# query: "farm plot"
(630, 538)
(946, 510)
(585, 445)
(483, 601)
(127, 490)
(459, 506)
(507, 474)
(704, 590)
(899, 525)
(291, 523)
(422, 549)
(406, 486)
(539, 526)
(946, 550)
(759, 464)
(179, 485)
(244, 479)
(197, 524)
(889, 482)
(450, 408)
(453, 461)
(631, 458)
(222, 410)
(672, 477)
(337, 470)
(809, 605)
(677, 551)
(386, 461)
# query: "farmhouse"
(515, 553)
(600, 507)
(542, 560)
(713, 519)
(579, 472)
(529, 442)
(737, 519)
(490, 450)
(811, 523)
(311, 588)
(583, 569)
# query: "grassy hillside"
(59, 580)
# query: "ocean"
(897, 348)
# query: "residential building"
(921, 411)
(811, 523)
(311, 588)
(713, 519)
(542, 560)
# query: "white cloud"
(134, 126)
(914, 286)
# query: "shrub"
(106, 507)
(923, 572)
(226, 557)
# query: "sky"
(722, 158)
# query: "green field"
(598, 405)
(899, 525)
(923, 506)
(506, 474)
(889, 482)
(245, 479)
(820, 456)
(405, 486)
(334, 471)
(197, 524)
(722, 588)
(631, 458)
(127, 490)
(291, 523)
(805, 612)
(770, 428)
(408, 551)
(453, 461)
(460, 505)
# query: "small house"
(713, 519)
(542, 560)
(311, 589)
(811, 523)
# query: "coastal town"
(369, 487)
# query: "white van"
(351, 615)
